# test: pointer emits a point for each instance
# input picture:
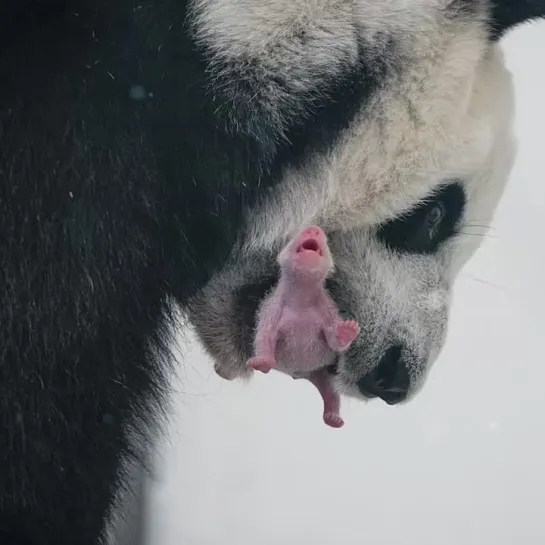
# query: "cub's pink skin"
(299, 329)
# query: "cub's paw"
(261, 364)
(333, 420)
(346, 333)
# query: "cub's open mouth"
(310, 245)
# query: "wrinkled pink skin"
(299, 330)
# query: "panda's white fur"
(444, 112)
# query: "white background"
(462, 464)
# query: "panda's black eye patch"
(429, 224)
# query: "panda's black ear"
(505, 14)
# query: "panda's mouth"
(248, 300)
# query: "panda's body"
(149, 150)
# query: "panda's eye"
(435, 216)
(430, 223)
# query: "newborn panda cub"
(299, 329)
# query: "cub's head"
(394, 125)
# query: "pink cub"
(299, 329)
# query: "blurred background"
(462, 464)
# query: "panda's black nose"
(390, 379)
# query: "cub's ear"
(505, 14)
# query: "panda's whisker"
(483, 235)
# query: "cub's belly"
(302, 349)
